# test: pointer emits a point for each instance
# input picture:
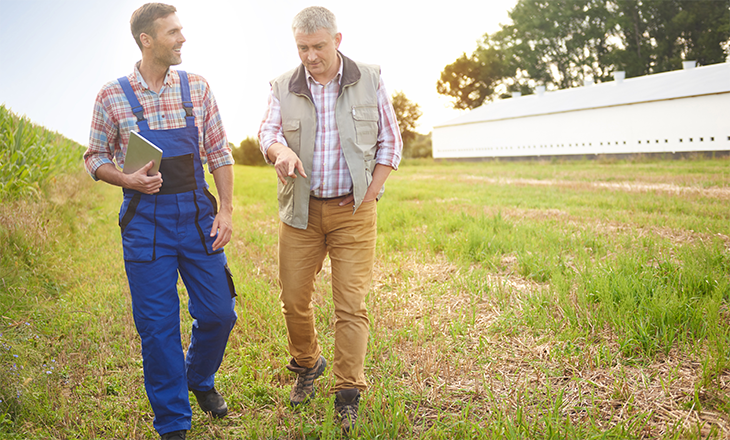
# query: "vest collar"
(350, 75)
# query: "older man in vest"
(332, 135)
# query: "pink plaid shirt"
(113, 119)
(330, 176)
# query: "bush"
(419, 147)
(249, 153)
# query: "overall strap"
(186, 101)
(134, 102)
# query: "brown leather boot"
(303, 389)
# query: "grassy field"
(545, 300)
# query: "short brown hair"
(143, 19)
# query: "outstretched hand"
(286, 163)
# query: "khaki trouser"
(350, 241)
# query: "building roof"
(696, 81)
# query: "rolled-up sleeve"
(102, 138)
(215, 143)
(270, 131)
(390, 144)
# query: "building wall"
(678, 125)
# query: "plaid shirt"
(113, 119)
(330, 176)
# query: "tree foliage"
(559, 42)
(420, 147)
(248, 153)
(407, 113)
(473, 78)
(562, 43)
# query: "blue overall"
(167, 233)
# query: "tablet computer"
(139, 152)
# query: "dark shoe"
(303, 389)
(346, 404)
(175, 435)
(211, 402)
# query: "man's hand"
(369, 197)
(223, 225)
(285, 162)
(140, 181)
(380, 175)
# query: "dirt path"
(715, 192)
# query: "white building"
(672, 112)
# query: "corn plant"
(31, 155)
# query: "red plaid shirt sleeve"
(270, 131)
(103, 138)
(390, 144)
(214, 142)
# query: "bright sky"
(55, 55)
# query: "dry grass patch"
(497, 366)
(611, 228)
(722, 193)
(676, 186)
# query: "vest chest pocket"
(366, 125)
(292, 134)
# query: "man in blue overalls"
(170, 222)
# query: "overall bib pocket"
(178, 174)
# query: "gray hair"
(314, 18)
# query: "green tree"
(557, 43)
(471, 80)
(705, 34)
(420, 147)
(687, 30)
(249, 153)
(658, 35)
(407, 113)
(628, 25)
(561, 43)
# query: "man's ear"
(145, 39)
(338, 40)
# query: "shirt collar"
(141, 81)
(337, 77)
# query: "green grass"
(545, 300)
